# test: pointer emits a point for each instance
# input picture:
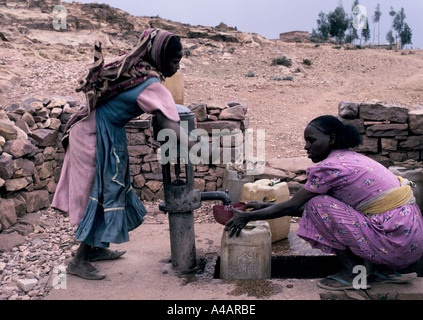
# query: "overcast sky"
(269, 17)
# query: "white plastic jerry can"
(248, 256)
(264, 190)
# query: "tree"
(376, 19)
(392, 13)
(406, 35)
(390, 37)
(403, 30)
(398, 23)
(338, 22)
(323, 26)
(352, 25)
(365, 32)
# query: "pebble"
(26, 271)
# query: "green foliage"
(403, 31)
(365, 33)
(323, 26)
(342, 27)
(250, 74)
(406, 35)
(187, 53)
(338, 21)
(307, 62)
(356, 47)
(284, 61)
(390, 37)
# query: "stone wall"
(31, 155)
(146, 171)
(391, 134)
(30, 158)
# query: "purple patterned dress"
(343, 180)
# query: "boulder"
(412, 143)
(27, 284)
(219, 125)
(381, 112)
(21, 108)
(296, 165)
(45, 137)
(154, 185)
(348, 110)
(7, 213)
(416, 121)
(8, 130)
(368, 145)
(20, 147)
(200, 111)
(36, 200)
(233, 113)
(11, 240)
(7, 168)
(13, 185)
(387, 130)
(272, 173)
(29, 119)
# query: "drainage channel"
(297, 267)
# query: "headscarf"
(128, 70)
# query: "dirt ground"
(216, 73)
(144, 273)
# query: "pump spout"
(216, 195)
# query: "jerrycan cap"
(257, 224)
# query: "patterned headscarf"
(126, 71)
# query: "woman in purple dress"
(350, 205)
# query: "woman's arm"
(291, 207)
(181, 134)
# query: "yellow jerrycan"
(175, 85)
(267, 190)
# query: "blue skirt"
(113, 209)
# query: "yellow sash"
(390, 199)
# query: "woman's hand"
(256, 205)
(237, 223)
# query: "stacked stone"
(231, 122)
(391, 134)
(30, 155)
(146, 171)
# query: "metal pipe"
(216, 195)
(182, 240)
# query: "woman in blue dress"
(95, 187)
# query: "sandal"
(97, 254)
(395, 277)
(346, 285)
(93, 274)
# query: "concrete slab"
(145, 273)
(388, 291)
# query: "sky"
(269, 18)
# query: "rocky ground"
(217, 72)
(27, 272)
